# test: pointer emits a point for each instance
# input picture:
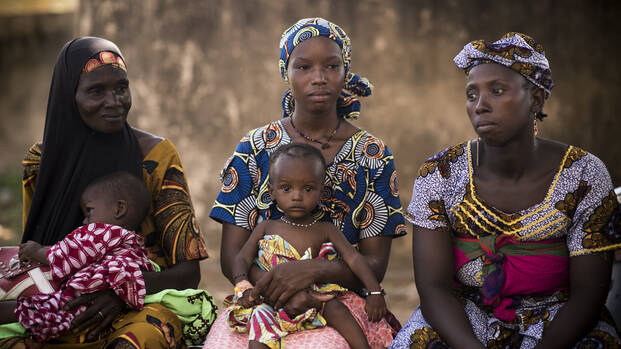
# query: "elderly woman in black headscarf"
(87, 136)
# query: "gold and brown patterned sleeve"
(181, 238)
(30, 166)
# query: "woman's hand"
(103, 307)
(32, 251)
(285, 280)
(375, 307)
(299, 303)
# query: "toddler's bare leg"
(338, 316)
(257, 345)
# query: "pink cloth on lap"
(379, 334)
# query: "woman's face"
(316, 74)
(104, 99)
(498, 103)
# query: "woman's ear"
(120, 209)
(537, 99)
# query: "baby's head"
(296, 173)
(119, 198)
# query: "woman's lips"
(485, 126)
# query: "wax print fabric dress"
(171, 235)
(511, 269)
(262, 322)
(361, 198)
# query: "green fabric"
(12, 330)
(472, 248)
(195, 308)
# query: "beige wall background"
(204, 72)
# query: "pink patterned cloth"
(91, 258)
(379, 334)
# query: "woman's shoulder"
(444, 162)
(146, 140)
(31, 161)
(267, 137)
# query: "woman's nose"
(319, 76)
(482, 104)
(112, 99)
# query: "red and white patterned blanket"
(93, 257)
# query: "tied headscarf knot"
(348, 105)
(515, 51)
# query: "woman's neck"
(511, 160)
(315, 124)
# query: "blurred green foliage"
(10, 207)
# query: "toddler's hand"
(32, 251)
(375, 307)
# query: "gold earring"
(536, 130)
(478, 146)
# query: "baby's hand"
(32, 251)
(248, 299)
(375, 307)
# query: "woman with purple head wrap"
(512, 232)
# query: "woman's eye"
(284, 188)
(95, 91)
(308, 189)
(334, 66)
(471, 95)
(498, 90)
(302, 67)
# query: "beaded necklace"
(325, 145)
(298, 224)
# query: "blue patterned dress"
(361, 196)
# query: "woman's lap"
(379, 333)
(152, 327)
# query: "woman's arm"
(433, 269)
(180, 276)
(588, 286)
(289, 278)
(243, 259)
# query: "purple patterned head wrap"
(516, 51)
(348, 105)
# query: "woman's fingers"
(284, 298)
(102, 308)
(262, 283)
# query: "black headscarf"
(73, 154)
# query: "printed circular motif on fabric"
(230, 180)
(345, 151)
(246, 213)
(370, 152)
(272, 136)
(346, 172)
(305, 34)
(371, 216)
(394, 187)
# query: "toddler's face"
(296, 185)
(97, 207)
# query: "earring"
(536, 130)
(478, 146)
